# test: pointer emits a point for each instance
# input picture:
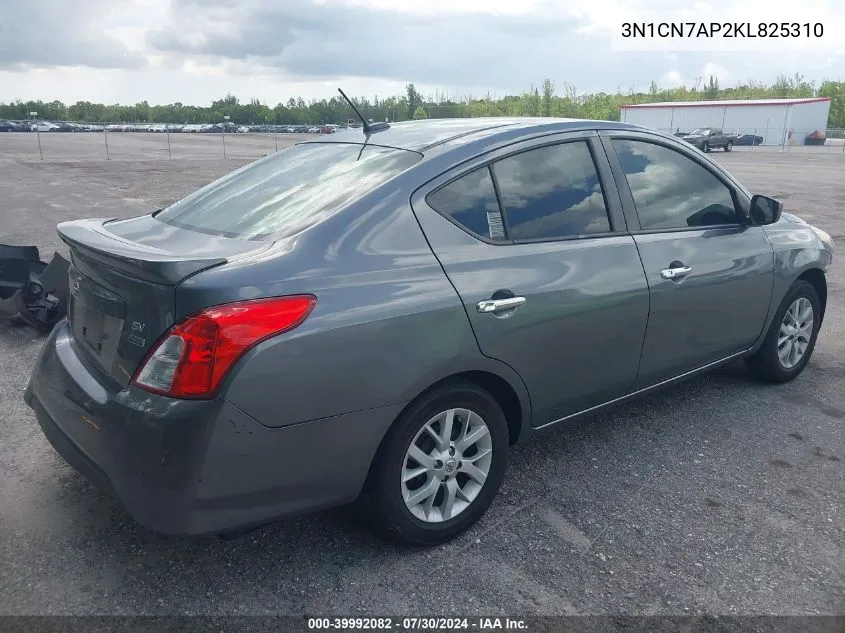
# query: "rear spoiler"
(90, 240)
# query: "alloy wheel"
(446, 465)
(796, 331)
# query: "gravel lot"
(718, 496)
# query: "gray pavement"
(717, 496)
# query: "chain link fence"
(91, 141)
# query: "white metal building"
(777, 121)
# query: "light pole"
(275, 138)
(223, 131)
(37, 133)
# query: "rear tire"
(787, 347)
(413, 508)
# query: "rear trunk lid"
(123, 277)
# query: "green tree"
(548, 95)
(414, 99)
(711, 91)
(420, 113)
(534, 102)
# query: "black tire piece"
(764, 364)
(383, 496)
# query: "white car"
(43, 126)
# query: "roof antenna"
(369, 128)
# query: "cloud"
(719, 72)
(196, 50)
(672, 79)
(475, 49)
(53, 33)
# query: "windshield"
(289, 191)
(703, 131)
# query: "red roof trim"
(716, 104)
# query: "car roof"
(423, 135)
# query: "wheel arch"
(816, 278)
(510, 393)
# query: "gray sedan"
(379, 314)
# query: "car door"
(533, 239)
(710, 274)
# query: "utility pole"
(38, 134)
(223, 131)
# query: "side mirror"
(765, 210)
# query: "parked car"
(43, 126)
(7, 126)
(816, 137)
(706, 138)
(380, 317)
(748, 139)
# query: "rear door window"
(287, 192)
(552, 192)
(471, 202)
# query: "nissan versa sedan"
(379, 314)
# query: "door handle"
(675, 273)
(500, 305)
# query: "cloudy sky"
(194, 51)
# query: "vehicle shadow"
(101, 519)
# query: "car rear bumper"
(196, 467)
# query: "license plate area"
(96, 317)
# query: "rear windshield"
(289, 191)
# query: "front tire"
(791, 338)
(440, 466)
(729, 146)
(706, 147)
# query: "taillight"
(193, 357)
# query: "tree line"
(545, 99)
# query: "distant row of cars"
(228, 128)
(47, 126)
